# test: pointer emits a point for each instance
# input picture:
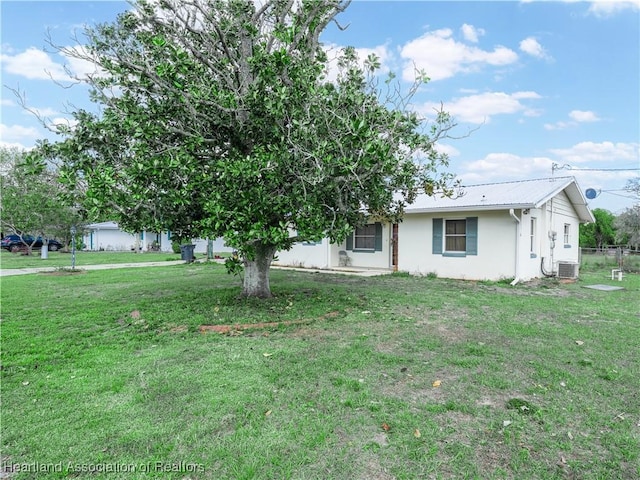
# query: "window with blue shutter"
(455, 237)
(367, 238)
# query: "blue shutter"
(350, 241)
(472, 235)
(378, 239)
(437, 236)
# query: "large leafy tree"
(600, 233)
(633, 187)
(628, 226)
(31, 203)
(218, 118)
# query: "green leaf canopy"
(220, 118)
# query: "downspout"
(517, 272)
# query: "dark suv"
(13, 243)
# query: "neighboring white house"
(109, 237)
(512, 230)
(218, 246)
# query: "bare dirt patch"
(373, 470)
(231, 329)
(418, 389)
(63, 272)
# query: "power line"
(556, 166)
(618, 194)
(605, 169)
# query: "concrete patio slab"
(604, 288)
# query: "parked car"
(13, 243)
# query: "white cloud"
(447, 149)
(381, 51)
(36, 64)
(17, 145)
(601, 8)
(577, 116)
(62, 122)
(598, 152)
(558, 125)
(481, 107)
(501, 166)
(471, 33)
(607, 8)
(33, 64)
(385, 57)
(17, 136)
(42, 112)
(5, 102)
(441, 56)
(532, 47)
(79, 67)
(583, 116)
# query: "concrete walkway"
(361, 272)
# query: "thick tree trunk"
(256, 272)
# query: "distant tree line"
(34, 204)
(609, 229)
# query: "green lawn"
(62, 259)
(391, 377)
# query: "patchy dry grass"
(377, 378)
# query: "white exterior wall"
(165, 242)
(507, 247)
(366, 259)
(109, 240)
(325, 255)
(305, 255)
(560, 212)
(218, 246)
(496, 256)
(531, 255)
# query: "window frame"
(309, 243)
(438, 243)
(368, 236)
(454, 236)
(357, 235)
(567, 235)
(533, 251)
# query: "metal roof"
(102, 226)
(506, 195)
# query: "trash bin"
(186, 253)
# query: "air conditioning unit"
(568, 269)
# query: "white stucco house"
(108, 236)
(511, 230)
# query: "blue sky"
(536, 83)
